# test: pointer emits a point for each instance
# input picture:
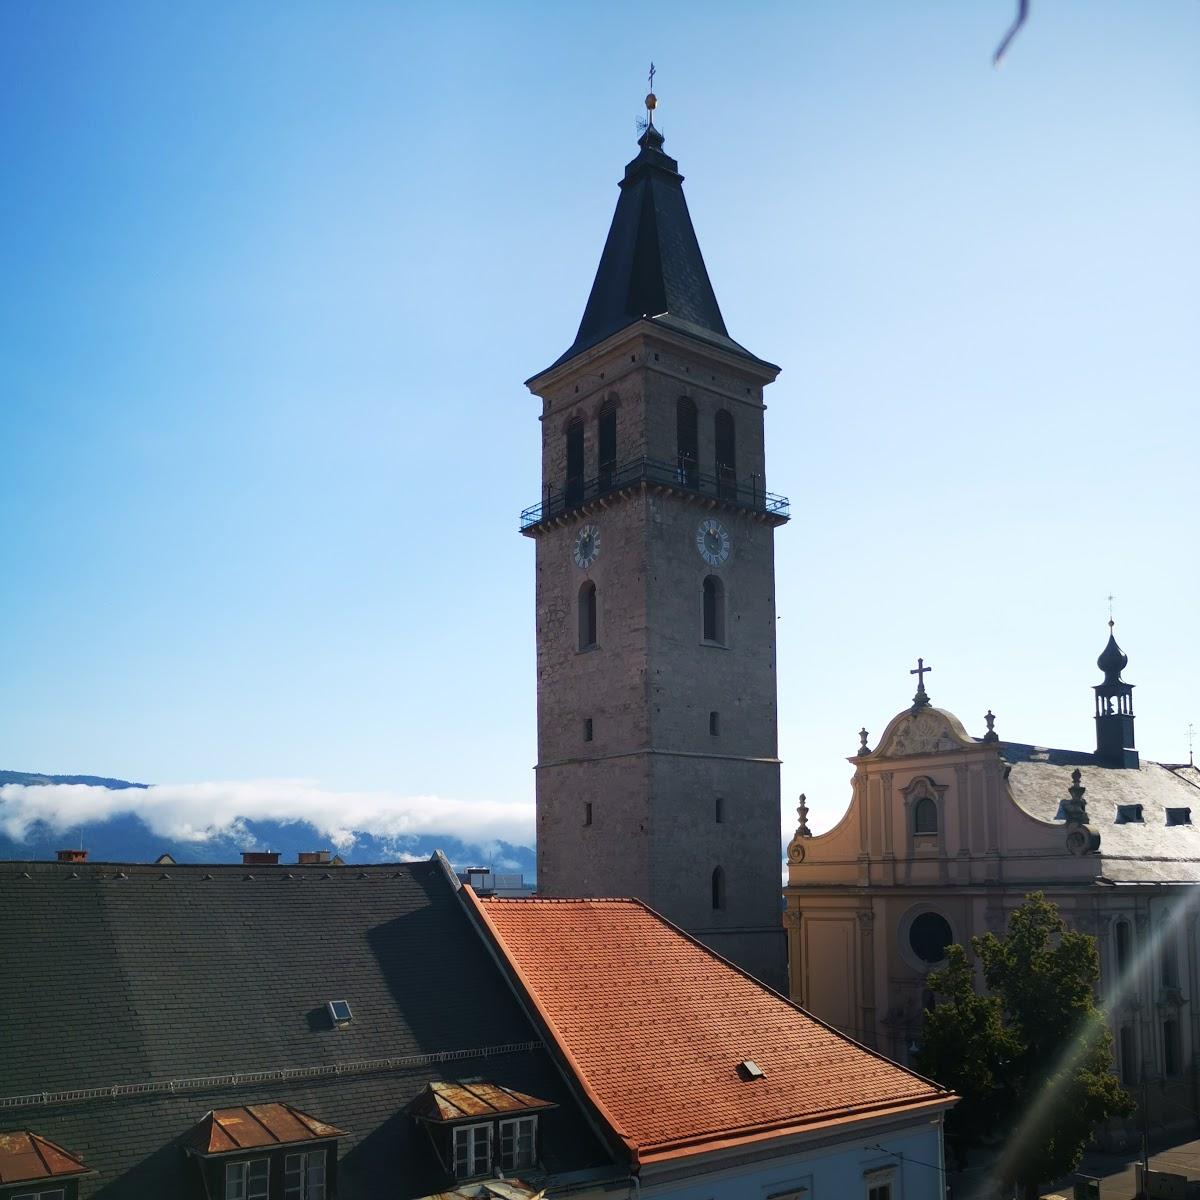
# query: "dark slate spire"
(1114, 708)
(652, 266)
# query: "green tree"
(1031, 1057)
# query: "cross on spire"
(921, 699)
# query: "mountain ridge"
(125, 838)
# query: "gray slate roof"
(189, 971)
(651, 266)
(1149, 851)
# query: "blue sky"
(272, 275)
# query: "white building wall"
(911, 1158)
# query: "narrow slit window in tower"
(607, 441)
(719, 811)
(726, 456)
(718, 889)
(587, 812)
(714, 610)
(587, 616)
(714, 724)
(574, 488)
(587, 729)
(687, 442)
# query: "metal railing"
(248, 1078)
(683, 474)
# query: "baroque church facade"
(658, 772)
(946, 833)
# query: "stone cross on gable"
(921, 699)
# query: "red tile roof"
(257, 1125)
(25, 1156)
(655, 1025)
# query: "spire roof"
(651, 266)
(1113, 660)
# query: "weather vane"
(644, 123)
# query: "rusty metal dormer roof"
(26, 1157)
(471, 1100)
(254, 1125)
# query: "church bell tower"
(657, 773)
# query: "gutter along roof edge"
(748, 1135)
(527, 997)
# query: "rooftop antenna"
(1191, 737)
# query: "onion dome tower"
(1114, 709)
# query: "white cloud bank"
(199, 812)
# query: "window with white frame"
(472, 1150)
(54, 1194)
(518, 1142)
(304, 1176)
(879, 1184)
(248, 1180)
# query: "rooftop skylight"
(339, 1013)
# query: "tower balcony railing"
(682, 475)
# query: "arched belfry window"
(687, 442)
(606, 441)
(718, 889)
(726, 455)
(587, 616)
(713, 604)
(574, 486)
(925, 816)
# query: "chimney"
(72, 856)
(260, 858)
(312, 858)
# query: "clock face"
(712, 540)
(587, 547)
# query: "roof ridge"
(510, 967)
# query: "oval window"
(929, 935)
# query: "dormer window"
(1179, 816)
(518, 1143)
(249, 1180)
(1128, 814)
(477, 1126)
(472, 1150)
(304, 1176)
(245, 1153)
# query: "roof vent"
(1179, 816)
(260, 858)
(71, 856)
(749, 1069)
(339, 1013)
(1128, 814)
